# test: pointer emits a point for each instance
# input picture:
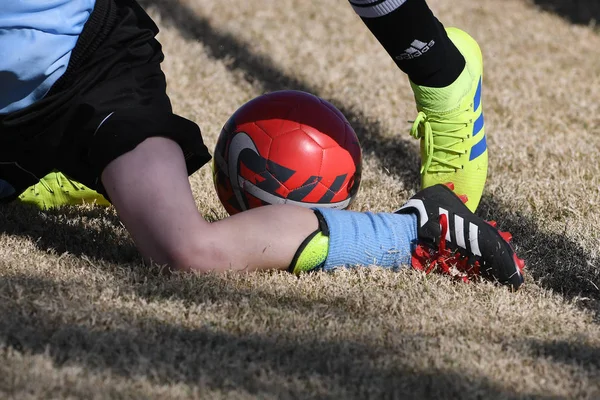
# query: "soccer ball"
(287, 147)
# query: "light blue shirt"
(36, 41)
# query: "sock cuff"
(375, 9)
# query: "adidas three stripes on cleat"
(453, 240)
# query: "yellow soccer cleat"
(451, 127)
(55, 190)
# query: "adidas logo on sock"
(416, 49)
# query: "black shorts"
(111, 98)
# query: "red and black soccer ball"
(287, 147)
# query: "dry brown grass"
(81, 317)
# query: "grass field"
(82, 317)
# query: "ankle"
(443, 99)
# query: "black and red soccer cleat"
(454, 241)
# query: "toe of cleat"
(506, 236)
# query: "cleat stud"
(450, 185)
(493, 223)
(506, 236)
(463, 198)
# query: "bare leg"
(150, 189)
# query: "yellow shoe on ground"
(55, 190)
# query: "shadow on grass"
(282, 364)
(568, 353)
(553, 261)
(95, 233)
(585, 12)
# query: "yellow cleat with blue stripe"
(56, 190)
(450, 125)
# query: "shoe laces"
(454, 124)
(444, 260)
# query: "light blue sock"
(363, 239)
